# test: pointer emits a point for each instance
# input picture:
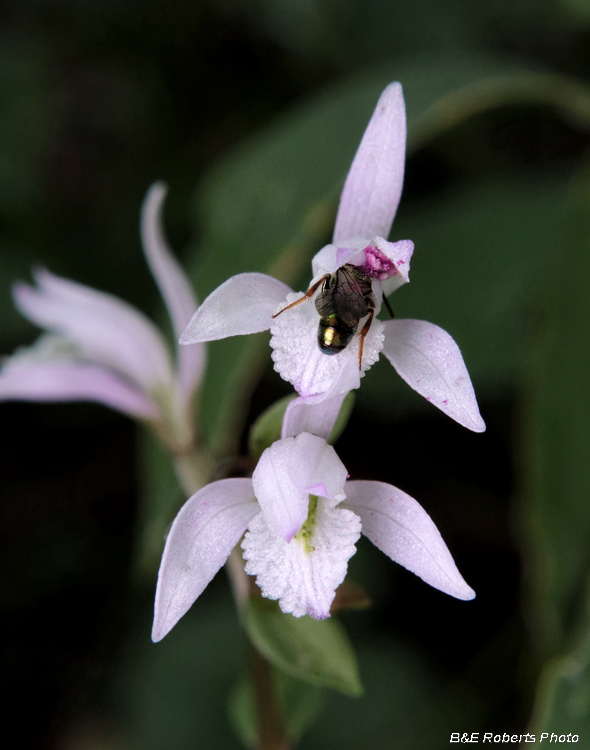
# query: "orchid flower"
(100, 348)
(301, 519)
(424, 355)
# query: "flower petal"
(304, 573)
(332, 257)
(402, 529)
(304, 415)
(374, 184)
(430, 362)
(203, 534)
(282, 501)
(107, 330)
(299, 360)
(288, 472)
(314, 463)
(173, 283)
(73, 381)
(243, 304)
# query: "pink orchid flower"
(100, 348)
(301, 519)
(424, 355)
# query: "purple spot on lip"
(401, 262)
(445, 402)
(428, 398)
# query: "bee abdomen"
(334, 335)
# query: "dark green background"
(251, 111)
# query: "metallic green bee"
(344, 300)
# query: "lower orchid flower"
(324, 341)
(301, 519)
(100, 348)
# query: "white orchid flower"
(424, 355)
(100, 348)
(301, 519)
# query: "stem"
(269, 719)
(193, 469)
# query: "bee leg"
(310, 292)
(387, 305)
(364, 332)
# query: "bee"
(345, 298)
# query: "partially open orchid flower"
(424, 355)
(301, 520)
(100, 348)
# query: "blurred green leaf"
(300, 703)
(271, 205)
(267, 427)
(173, 694)
(316, 651)
(564, 695)
(562, 703)
(556, 517)
(406, 705)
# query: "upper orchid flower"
(100, 348)
(351, 277)
(302, 520)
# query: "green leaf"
(556, 518)
(316, 651)
(271, 205)
(562, 703)
(300, 703)
(173, 694)
(398, 710)
(267, 427)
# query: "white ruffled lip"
(298, 358)
(303, 574)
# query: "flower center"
(305, 533)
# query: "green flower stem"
(194, 468)
(269, 719)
